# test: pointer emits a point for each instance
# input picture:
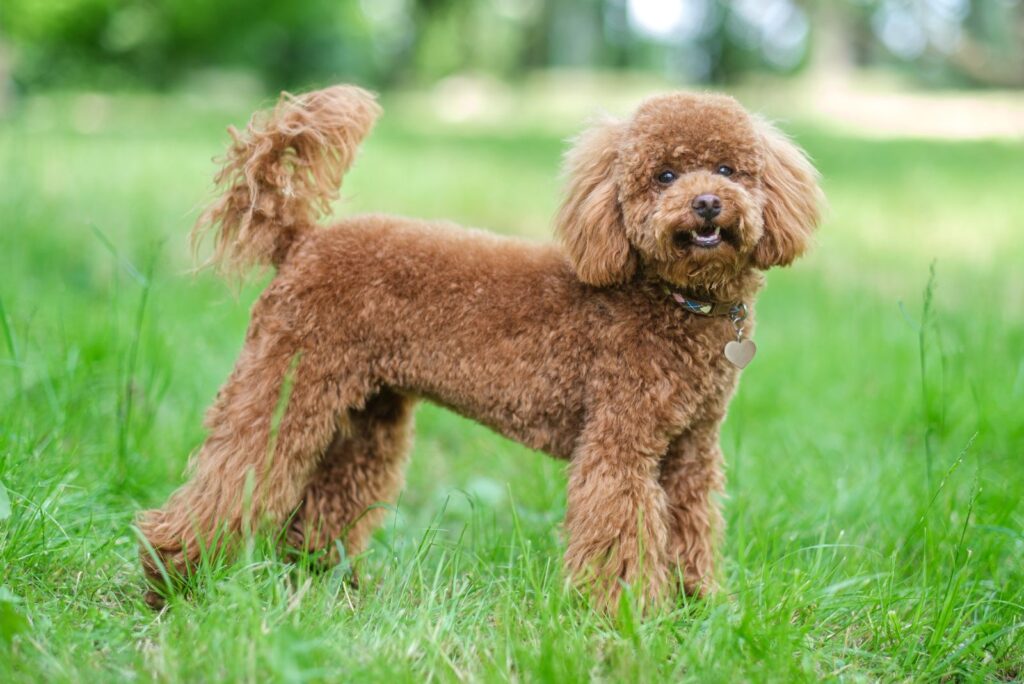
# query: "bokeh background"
(118, 43)
(873, 450)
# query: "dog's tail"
(282, 173)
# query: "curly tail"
(282, 173)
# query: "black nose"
(707, 206)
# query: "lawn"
(874, 449)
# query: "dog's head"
(692, 189)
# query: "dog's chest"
(688, 373)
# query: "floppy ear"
(590, 221)
(792, 207)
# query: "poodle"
(617, 350)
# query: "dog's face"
(692, 189)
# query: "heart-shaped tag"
(740, 352)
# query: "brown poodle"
(607, 351)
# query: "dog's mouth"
(707, 236)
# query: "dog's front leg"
(617, 516)
(691, 475)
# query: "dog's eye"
(666, 176)
(724, 170)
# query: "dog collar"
(738, 352)
(734, 310)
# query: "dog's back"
(429, 304)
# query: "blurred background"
(118, 43)
(465, 48)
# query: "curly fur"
(574, 350)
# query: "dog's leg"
(362, 468)
(617, 518)
(268, 428)
(691, 475)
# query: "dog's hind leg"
(362, 471)
(268, 430)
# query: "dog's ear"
(590, 221)
(793, 200)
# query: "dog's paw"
(154, 599)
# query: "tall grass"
(874, 455)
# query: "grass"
(874, 447)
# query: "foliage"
(113, 43)
(875, 524)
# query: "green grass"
(874, 448)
